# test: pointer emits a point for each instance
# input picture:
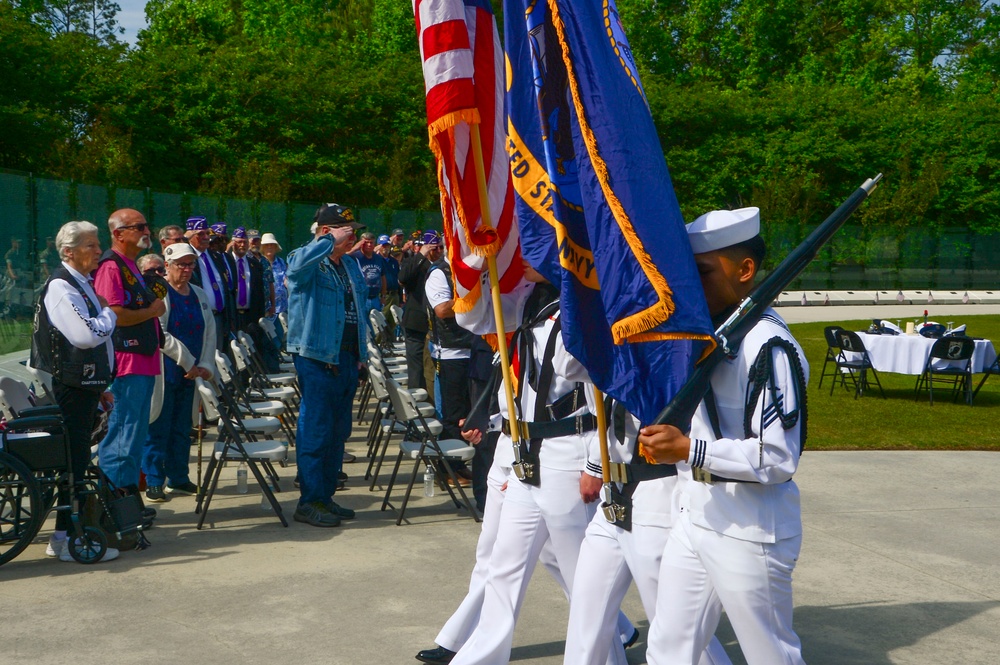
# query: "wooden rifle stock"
(682, 407)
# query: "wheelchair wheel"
(90, 548)
(21, 507)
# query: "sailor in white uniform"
(736, 540)
(460, 626)
(543, 497)
(624, 543)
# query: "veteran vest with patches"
(143, 338)
(51, 352)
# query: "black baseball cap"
(333, 214)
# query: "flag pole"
(602, 435)
(491, 262)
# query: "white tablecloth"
(907, 354)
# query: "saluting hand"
(665, 443)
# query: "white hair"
(143, 263)
(70, 236)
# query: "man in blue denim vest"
(326, 335)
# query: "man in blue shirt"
(372, 266)
(326, 335)
(393, 291)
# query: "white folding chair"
(248, 405)
(235, 445)
(428, 450)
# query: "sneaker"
(341, 512)
(110, 554)
(154, 494)
(184, 489)
(316, 514)
(349, 458)
(55, 546)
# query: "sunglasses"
(138, 227)
(160, 271)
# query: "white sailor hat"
(723, 228)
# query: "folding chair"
(428, 450)
(956, 353)
(832, 351)
(248, 405)
(987, 372)
(284, 360)
(257, 377)
(257, 361)
(234, 445)
(245, 374)
(858, 368)
(382, 336)
(16, 401)
(385, 423)
(397, 372)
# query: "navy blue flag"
(596, 209)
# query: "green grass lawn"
(840, 422)
(14, 335)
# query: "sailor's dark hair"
(753, 248)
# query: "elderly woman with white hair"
(188, 353)
(72, 342)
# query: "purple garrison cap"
(240, 232)
(219, 229)
(431, 238)
(196, 224)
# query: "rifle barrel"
(682, 407)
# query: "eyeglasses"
(185, 266)
(160, 271)
(138, 227)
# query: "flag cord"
(491, 262)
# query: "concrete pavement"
(898, 566)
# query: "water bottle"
(241, 478)
(265, 503)
(429, 481)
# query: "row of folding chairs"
(399, 412)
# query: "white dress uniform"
(612, 557)
(735, 544)
(460, 626)
(531, 515)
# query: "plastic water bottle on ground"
(265, 503)
(241, 478)
(429, 481)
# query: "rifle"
(728, 336)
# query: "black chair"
(832, 351)
(857, 368)
(987, 371)
(956, 350)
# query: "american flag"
(463, 74)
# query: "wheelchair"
(34, 467)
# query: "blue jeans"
(120, 452)
(325, 415)
(168, 446)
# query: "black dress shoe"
(436, 655)
(632, 640)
